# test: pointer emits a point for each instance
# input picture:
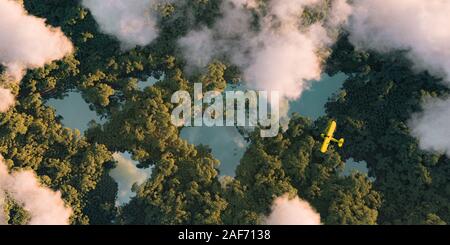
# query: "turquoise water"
(352, 166)
(227, 145)
(75, 111)
(312, 102)
(149, 82)
(126, 174)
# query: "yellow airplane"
(329, 137)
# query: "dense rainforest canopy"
(409, 185)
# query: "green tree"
(292, 163)
(31, 136)
(373, 110)
(184, 186)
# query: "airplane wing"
(331, 129)
(328, 137)
(326, 143)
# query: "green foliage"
(316, 13)
(184, 187)
(373, 109)
(411, 186)
(31, 136)
(292, 163)
(15, 213)
(214, 79)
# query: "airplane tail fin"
(341, 142)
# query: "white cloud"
(281, 56)
(294, 211)
(133, 22)
(7, 99)
(45, 206)
(420, 28)
(415, 25)
(432, 126)
(26, 41)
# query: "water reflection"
(75, 111)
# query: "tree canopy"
(410, 186)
